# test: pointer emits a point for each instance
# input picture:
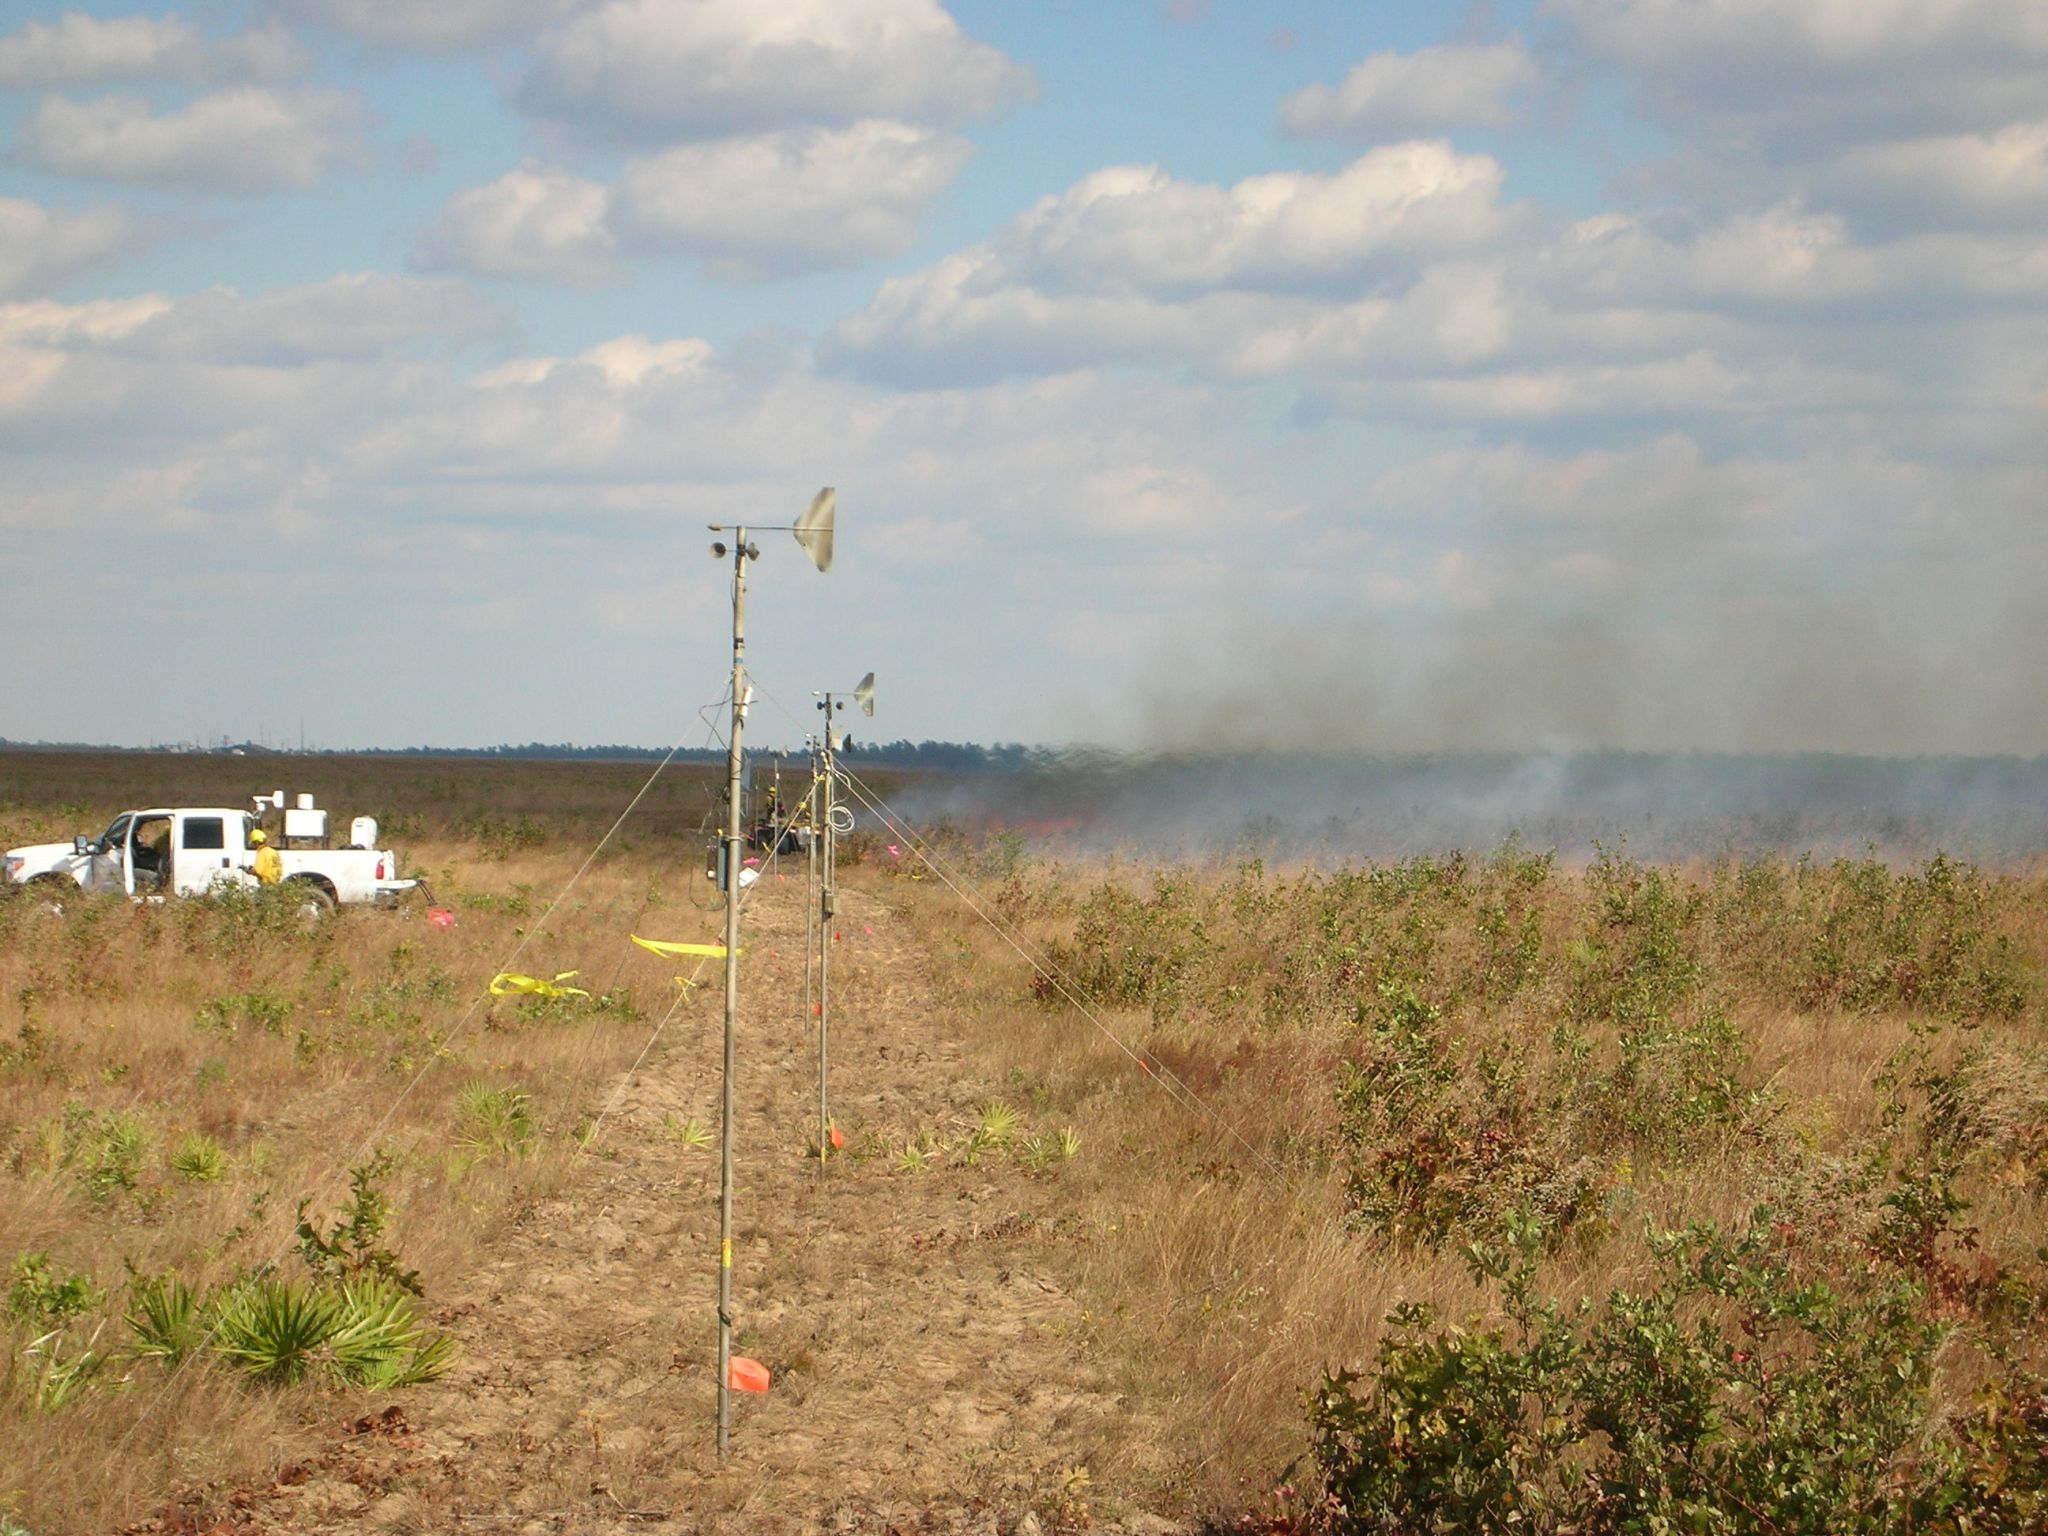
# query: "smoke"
(1656, 599)
(1828, 648)
(1333, 808)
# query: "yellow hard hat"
(258, 837)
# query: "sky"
(1663, 375)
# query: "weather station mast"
(828, 819)
(813, 532)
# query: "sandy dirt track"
(932, 1372)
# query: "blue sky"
(1656, 374)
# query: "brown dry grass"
(1194, 1286)
(1234, 1279)
(361, 1035)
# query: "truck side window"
(115, 835)
(204, 832)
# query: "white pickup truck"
(151, 854)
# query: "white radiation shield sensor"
(814, 529)
(864, 695)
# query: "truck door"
(203, 858)
(148, 855)
(105, 873)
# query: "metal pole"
(811, 893)
(735, 845)
(825, 946)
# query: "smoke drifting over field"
(1731, 712)
(1952, 671)
(1333, 808)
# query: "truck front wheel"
(52, 894)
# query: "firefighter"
(268, 867)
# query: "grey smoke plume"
(1336, 808)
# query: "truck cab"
(167, 852)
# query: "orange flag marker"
(744, 1375)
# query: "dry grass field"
(179, 1079)
(1461, 1193)
(1501, 1198)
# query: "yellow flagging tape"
(665, 947)
(725, 1253)
(512, 984)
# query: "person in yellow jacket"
(268, 867)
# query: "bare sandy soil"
(932, 1372)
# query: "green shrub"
(105, 1151)
(1742, 1393)
(499, 837)
(351, 1247)
(39, 1296)
(1134, 952)
(260, 1010)
(1442, 1144)
(364, 1333)
(1640, 962)
(1878, 939)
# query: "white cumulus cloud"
(756, 206)
(1995, 178)
(1825, 33)
(354, 316)
(246, 139)
(1451, 86)
(713, 67)
(624, 362)
(40, 248)
(1786, 256)
(433, 26)
(535, 222)
(1140, 227)
(1786, 73)
(794, 200)
(78, 49)
(1132, 263)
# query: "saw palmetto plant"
(167, 1321)
(379, 1342)
(198, 1157)
(275, 1330)
(490, 1121)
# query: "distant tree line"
(951, 756)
